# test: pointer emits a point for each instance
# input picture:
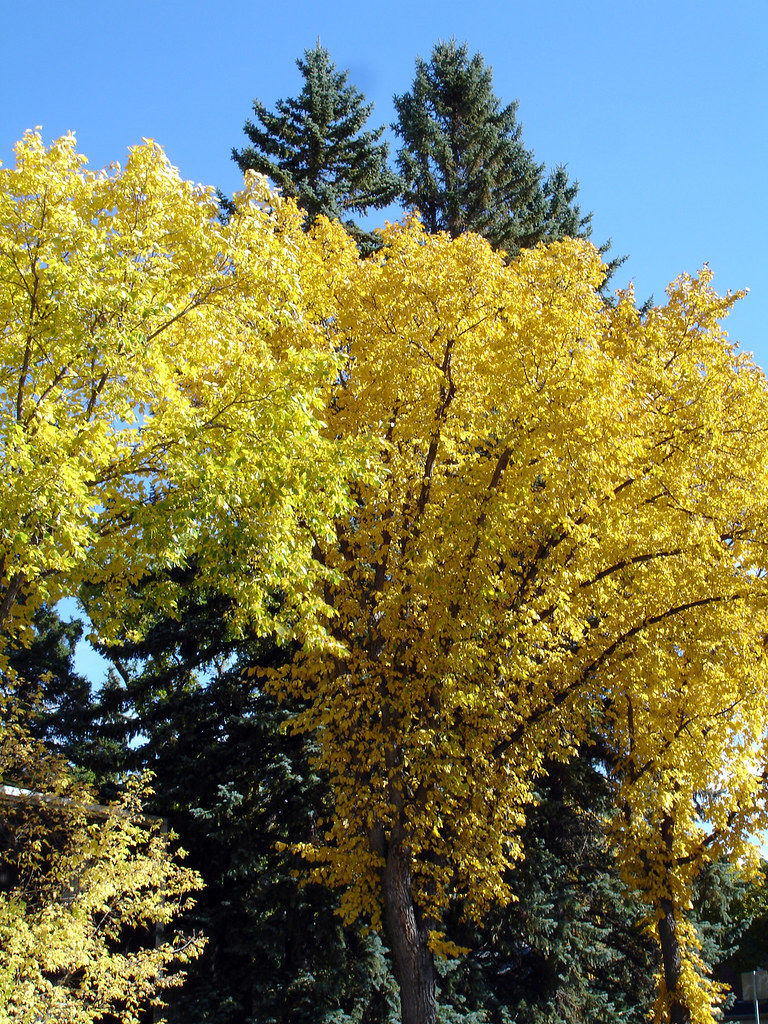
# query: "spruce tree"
(55, 699)
(315, 148)
(567, 946)
(464, 164)
(239, 790)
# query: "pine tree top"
(315, 146)
(464, 163)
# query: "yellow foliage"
(159, 382)
(560, 525)
(92, 885)
(569, 535)
(695, 990)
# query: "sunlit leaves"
(159, 386)
(88, 893)
(569, 537)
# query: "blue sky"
(658, 109)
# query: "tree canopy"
(158, 390)
(572, 514)
(160, 376)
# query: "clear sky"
(658, 108)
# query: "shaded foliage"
(567, 947)
(239, 791)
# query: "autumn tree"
(87, 891)
(159, 384)
(316, 148)
(158, 387)
(573, 494)
(464, 163)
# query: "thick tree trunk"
(672, 961)
(408, 934)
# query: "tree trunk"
(408, 934)
(670, 952)
(11, 596)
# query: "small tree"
(85, 888)
(315, 149)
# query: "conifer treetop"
(464, 163)
(315, 147)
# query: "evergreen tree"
(566, 948)
(464, 164)
(54, 697)
(315, 147)
(726, 917)
(238, 790)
